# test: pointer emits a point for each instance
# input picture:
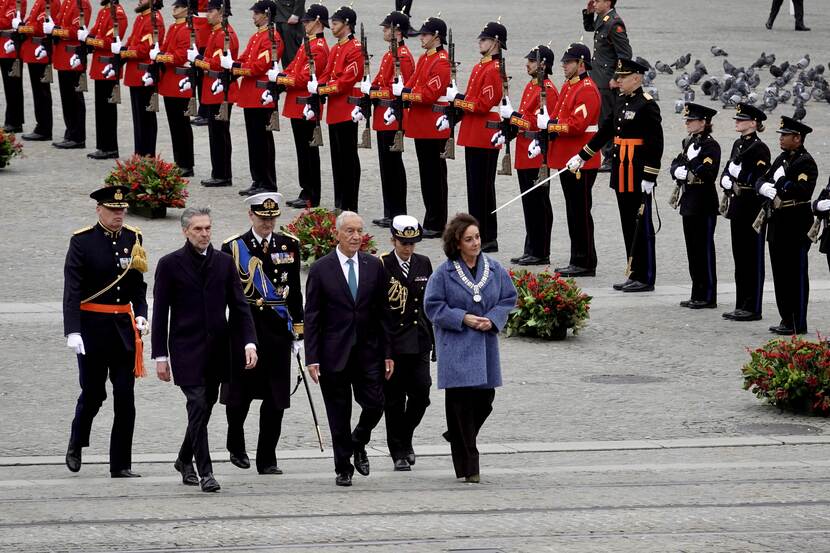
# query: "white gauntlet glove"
(726, 183)
(184, 84)
(823, 205)
(308, 113)
(681, 173)
(226, 61)
(16, 21)
(534, 149)
(155, 51)
(83, 33)
(442, 123)
(115, 47)
(505, 109)
(74, 61)
(647, 186)
(40, 52)
(365, 86)
(357, 115)
(452, 92)
(312, 85)
(217, 87)
(75, 342)
(108, 72)
(192, 53)
(734, 169)
(389, 117)
(147, 79)
(266, 97)
(397, 87)
(542, 119)
(8, 47)
(768, 190)
(575, 164)
(693, 152)
(497, 139)
(779, 174)
(142, 325)
(48, 26)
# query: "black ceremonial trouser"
(433, 173)
(578, 203)
(466, 409)
(221, 146)
(73, 106)
(538, 214)
(643, 265)
(261, 153)
(392, 176)
(699, 232)
(270, 428)
(145, 125)
(308, 160)
(407, 399)
(748, 254)
(790, 273)
(42, 98)
(181, 133)
(481, 166)
(13, 88)
(200, 402)
(345, 164)
(106, 117)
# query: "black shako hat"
(114, 197)
(692, 112)
(789, 125)
(496, 31)
(434, 26)
(746, 112)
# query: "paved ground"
(643, 372)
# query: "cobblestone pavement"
(642, 369)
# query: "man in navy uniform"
(104, 313)
(407, 391)
(268, 264)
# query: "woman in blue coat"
(468, 299)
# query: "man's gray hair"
(191, 212)
(338, 223)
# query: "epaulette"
(229, 238)
(289, 235)
(384, 254)
(83, 230)
(132, 228)
(648, 96)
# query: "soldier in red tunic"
(13, 86)
(338, 82)
(424, 89)
(385, 91)
(100, 38)
(35, 57)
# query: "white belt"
(200, 14)
(494, 109)
(592, 128)
(442, 99)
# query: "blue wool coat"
(468, 357)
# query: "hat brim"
(115, 205)
(269, 213)
(787, 131)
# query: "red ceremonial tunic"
(525, 120)
(33, 27)
(209, 61)
(253, 65)
(8, 8)
(173, 55)
(138, 46)
(200, 24)
(101, 37)
(68, 19)
(574, 119)
(423, 88)
(382, 85)
(480, 104)
(297, 76)
(342, 73)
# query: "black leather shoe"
(240, 460)
(188, 473)
(209, 484)
(636, 286)
(774, 328)
(73, 458)
(429, 233)
(12, 129)
(700, 304)
(410, 458)
(769, 24)
(473, 479)
(784, 331)
(100, 154)
(249, 191)
(685, 303)
(187, 171)
(518, 258)
(743, 315)
(124, 473)
(533, 260)
(272, 469)
(215, 183)
(384, 222)
(575, 271)
(402, 465)
(621, 285)
(730, 315)
(361, 461)
(255, 191)
(801, 28)
(490, 247)
(343, 479)
(36, 137)
(69, 145)
(296, 203)
(199, 121)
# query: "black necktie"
(264, 245)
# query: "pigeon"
(718, 51)
(803, 62)
(770, 103)
(784, 96)
(800, 113)
(663, 68)
(775, 71)
(729, 68)
(682, 81)
(695, 77)
(752, 98)
(764, 60)
(678, 106)
(700, 67)
(642, 61)
(682, 61)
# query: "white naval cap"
(266, 204)
(406, 228)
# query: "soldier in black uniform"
(789, 185)
(287, 22)
(748, 161)
(696, 169)
(638, 146)
(104, 315)
(610, 45)
(407, 391)
(821, 207)
(268, 264)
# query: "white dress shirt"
(260, 238)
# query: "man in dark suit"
(102, 327)
(407, 392)
(194, 286)
(346, 342)
(268, 264)
(287, 22)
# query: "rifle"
(224, 109)
(729, 194)
(449, 110)
(114, 60)
(767, 208)
(544, 170)
(152, 67)
(396, 105)
(313, 101)
(640, 213)
(46, 42)
(681, 159)
(192, 71)
(17, 40)
(504, 124)
(310, 401)
(815, 230)
(274, 122)
(81, 50)
(364, 102)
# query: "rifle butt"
(397, 142)
(815, 231)
(274, 122)
(628, 266)
(316, 137)
(544, 173)
(47, 75)
(153, 106)
(82, 83)
(724, 204)
(674, 200)
(506, 165)
(758, 224)
(115, 97)
(449, 149)
(366, 139)
(15, 71)
(223, 114)
(192, 109)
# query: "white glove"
(693, 152)
(266, 97)
(278, 66)
(16, 21)
(308, 113)
(147, 79)
(217, 87)
(8, 47)
(357, 115)
(226, 61)
(142, 325)
(534, 149)
(542, 119)
(497, 140)
(681, 173)
(506, 108)
(397, 86)
(442, 123)
(312, 86)
(155, 51)
(184, 84)
(75, 342)
(779, 173)
(389, 117)
(647, 186)
(768, 190)
(575, 164)
(296, 347)
(40, 52)
(83, 32)
(48, 26)
(823, 205)
(734, 169)
(273, 73)
(115, 47)
(365, 86)
(452, 92)
(74, 61)
(108, 72)
(726, 183)
(192, 53)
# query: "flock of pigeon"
(792, 83)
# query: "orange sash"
(627, 146)
(138, 369)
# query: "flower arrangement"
(153, 182)
(548, 305)
(315, 227)
(792, 374)
(9, 147)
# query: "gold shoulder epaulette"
(83, 230)
(384, 254)
(647, 96)
(229, 238)
(289, 235)
(132, 228)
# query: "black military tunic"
(407, 392)
(788, 226)
(824, 244)
(744, 204)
